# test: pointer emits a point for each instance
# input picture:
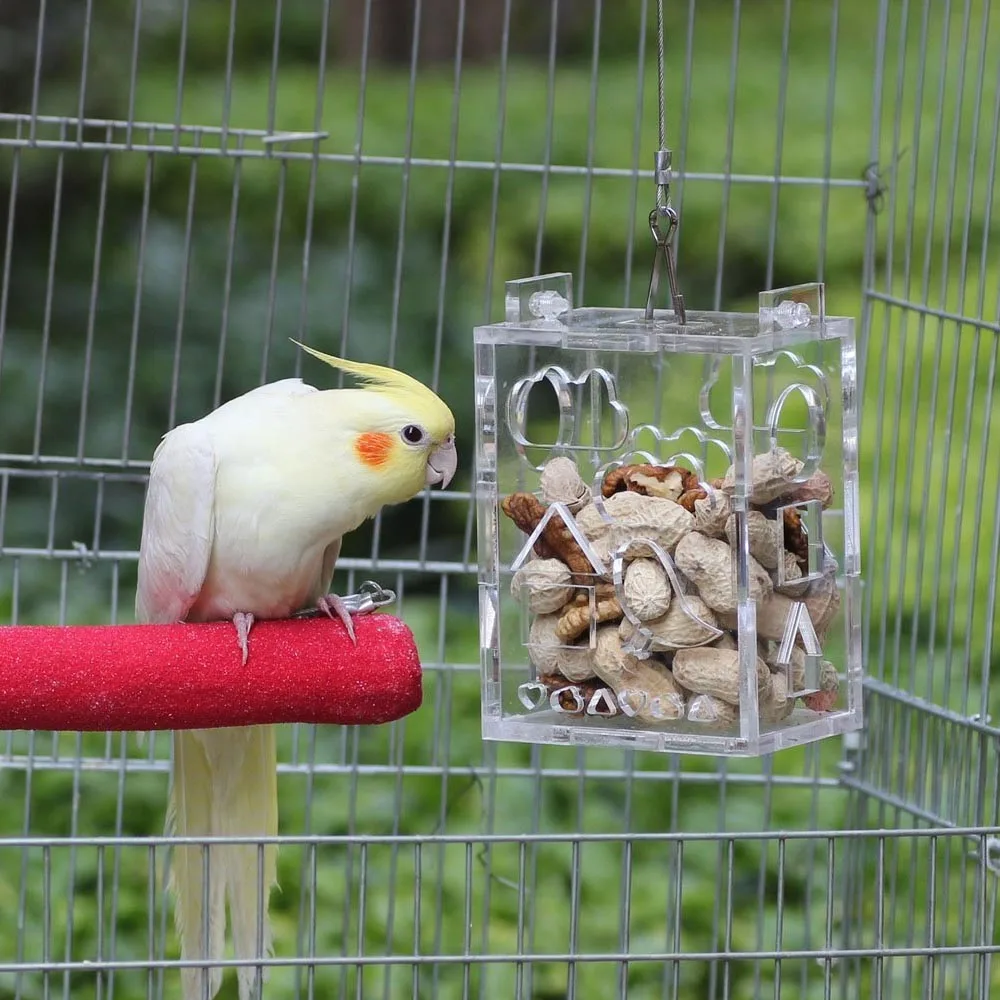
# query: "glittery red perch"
(142, 677)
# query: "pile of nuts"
(692, 668)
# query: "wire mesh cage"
(188, 185)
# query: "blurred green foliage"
(177, 278)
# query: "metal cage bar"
(185, 189)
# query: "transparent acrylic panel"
(803, 534)
(667, 538)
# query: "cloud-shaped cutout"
(576, 408)
(687, 446)
(665, 450)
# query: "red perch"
(99, 678)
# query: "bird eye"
(412, 434)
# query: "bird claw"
(331, 603)
(370, 597)
(243, 622)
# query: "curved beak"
(441, 464)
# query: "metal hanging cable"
(661, 97)
(663, 254)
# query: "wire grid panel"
(932, 306)
(931, 750)
(184, 193)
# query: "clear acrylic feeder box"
(668, 524)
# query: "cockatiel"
(244, 516)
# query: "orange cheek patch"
(373, 448)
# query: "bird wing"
(178, 525)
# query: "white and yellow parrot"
(244, 516)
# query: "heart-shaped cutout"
(640, 644)
(532, 694)
(631, 701)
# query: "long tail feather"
(225, 784)
(201, 931)
(251, 870)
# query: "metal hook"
(370, 596)
(875, 185)
(665, 250)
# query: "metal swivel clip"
(370, 597)
(663, 254)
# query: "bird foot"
(243, 622)
(334, 607)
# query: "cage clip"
(663, 254)
(370, 596)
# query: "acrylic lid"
(539, 313)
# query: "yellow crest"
(382, 380)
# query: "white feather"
(178, 525)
